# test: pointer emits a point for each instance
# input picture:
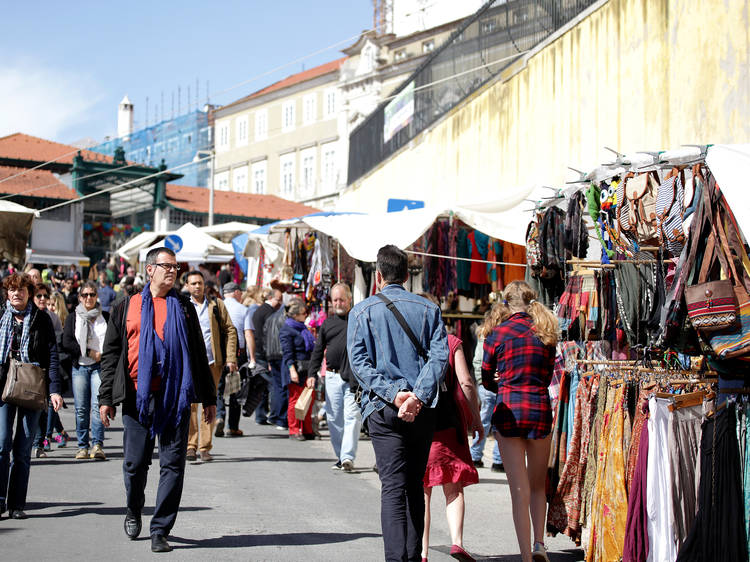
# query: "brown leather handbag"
(26, 386)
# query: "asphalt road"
(265, 497)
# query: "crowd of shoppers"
(387, 364)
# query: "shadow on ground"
(278, 539)
(90, 508)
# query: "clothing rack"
(464, 259)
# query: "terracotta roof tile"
(26, 147)
(298, 78)
(195, 199)
(34, 183)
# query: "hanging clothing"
(478, 242)
(463, 268)
(718, 533)
(636, 528)
(684, 445)
(663, 547)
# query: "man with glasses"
(155, 365)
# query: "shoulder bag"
(26, 386)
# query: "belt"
(334, 371)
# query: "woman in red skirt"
(450, 464)
(519, 356)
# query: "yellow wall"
(632, 75)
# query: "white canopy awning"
(730, 164)
(15, 227)
(197, 246)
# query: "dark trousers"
(279, 396)
(401, 453)
(138, 446)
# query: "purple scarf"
(307, 336)
(169, 359)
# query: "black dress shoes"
(17, 514)
(132, 525)
(159, 544)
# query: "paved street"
(265, 497)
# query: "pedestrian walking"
(155, 365)
(519, 357)
(268, 357)
(220, 338)
(83, 341)
(487, 402)
(49, 420)
(107, 294)
(449, 464)
(398, 351)
(342, 412)
(297, 343)
(231, 412)
(27, 336)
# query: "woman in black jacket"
(83, 340)
(26, 335)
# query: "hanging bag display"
(670, 210)
(637, 211)
(26, 386)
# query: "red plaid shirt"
(525, 366)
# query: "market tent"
(226, 231)
(15, 228)
(132, 247)
(197, 246)
(730, 164)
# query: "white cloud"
(43, 101)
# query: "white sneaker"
(540, 553)
(347, 465)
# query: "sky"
(63, 75)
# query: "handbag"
(303, 404)
(26, 386)
(712, 305)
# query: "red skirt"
(449, 461)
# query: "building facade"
(292, 138)
(185, 141)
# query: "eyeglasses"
(41, 296)
(88, 295)
(169, 266)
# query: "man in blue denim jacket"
(400, 392)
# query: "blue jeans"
(343, 416)
(86, 396)
(14, 475)
(488, 399)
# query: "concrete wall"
(629, 74)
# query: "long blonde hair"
(60, 308)
(518, 296)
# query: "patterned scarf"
(6, 332)
(169, 359)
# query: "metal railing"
(484, 45)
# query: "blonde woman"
(519, 356)
(57, 305)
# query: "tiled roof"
(21, 146)
(34, 183)
(195, 199)
(298, 78)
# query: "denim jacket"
(382, 356)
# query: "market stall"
(15, 229)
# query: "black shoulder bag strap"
(401, 320)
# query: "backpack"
(670, 208)
(636, 197)
(533, 251)
(271, 329)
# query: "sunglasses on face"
(41, 296)
(87, 295)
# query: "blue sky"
(63, 73)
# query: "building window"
(239, 179)
(328, 167)
(487, 26)
(399, 55)
(261, 124)
(287, 116)
(221, 181)
(222, 136)
(308, 109)
(286, 163)
(330, 103)
(428, 46)
(259, 177)
(242, 131)
(178, 218)
(308, 172)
